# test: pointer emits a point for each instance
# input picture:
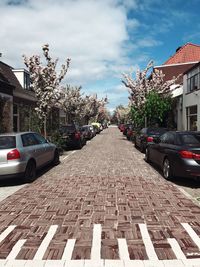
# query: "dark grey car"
(145, 136)
(176, 153)
(21, 154)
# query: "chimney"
(178, 48)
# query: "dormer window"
(26, 81)
(23, 77)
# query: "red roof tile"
(187, 53)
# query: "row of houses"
(186, 63)
(16, 114)
(17, 102)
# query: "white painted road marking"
(69, 155)
(6, 232)
(192, 234)
(16, 249)
(67, 254)
(123, 249)
(147, 242)
(96, 243)
(176, 249)
(95, 260)
(42, 248)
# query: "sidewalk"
(101, 203)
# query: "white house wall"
(20, 76)
(177, 92)
(190, 99)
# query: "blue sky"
(104, 38)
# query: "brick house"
(185, 58)
(6, 104)
(22, 96)
(15, 86)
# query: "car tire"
(56, 158)
(142, 149)
(30, 172)
(167, 172)
(136, 145)
(146, 157)
(80, 145)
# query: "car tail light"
(196, 156)
(189, 155)
(149, 139)
(13, 154)
(77, 135)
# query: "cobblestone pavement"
(102, 206)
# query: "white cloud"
(95, 34)
(91, 32)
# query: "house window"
(15, 118)
(193, 81)
(191, 113)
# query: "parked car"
(131, 132)
(176, 153)
(72, 135)
(88, 131)
(145, 136)
(125, 128)
(121, 127)
(98, 127)
(21, 154)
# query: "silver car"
(21, 154)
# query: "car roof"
(185, 132)
(14, 133)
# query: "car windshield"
(7, 142)
(190, 139)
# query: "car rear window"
(190, 139)
(67, 129)
(156, 131)
(7, 142)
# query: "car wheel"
(136, 145)
(167, 173)
(56, 159)
(146, 157)
(30, 172)
(142, 149)
(80, 145)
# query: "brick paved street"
(102, 206)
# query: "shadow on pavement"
(19, 180)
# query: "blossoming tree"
(72, 102)
(45, 82)
(150, 95)
(92, 106)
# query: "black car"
(72, 135)
(176, 153)
(145, 137)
